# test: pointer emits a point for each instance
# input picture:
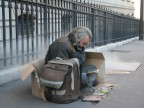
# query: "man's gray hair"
(81, 32)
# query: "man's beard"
(79, 48)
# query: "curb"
(110, 46)
(10, 74)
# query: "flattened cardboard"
(124, 66)
(91, 98)
(110, 86)
(34, 66)
(92, 58)
(97, 95)
(27, 71)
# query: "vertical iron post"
(37, 24)
(45, 23)
(27, 29)
(4, 31)
(74, 14)
(10, 32)
(105, 28)
(16, 30)
(32, 29)
(92, 27)
(141, 21)
(22, 32)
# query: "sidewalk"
(128, 94)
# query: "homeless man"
(73, 46)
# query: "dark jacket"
(63, 48)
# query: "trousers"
(87, 77)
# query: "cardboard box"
(97, 59)
(36, 67)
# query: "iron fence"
(28, 27)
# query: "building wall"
(125, 7)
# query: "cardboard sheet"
(112, 71)
(122, 67)
(91, 98)
(27, 71)
(98, 96)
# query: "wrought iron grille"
(28, 27)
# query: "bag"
(62, 80)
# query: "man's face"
(81, 45)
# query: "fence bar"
(41, 32)
(37, 38)
(48, 25)
(141, 31)
(17, 38)
(59, 29)
(32, 29)
(27, 23)
(52, 21)
(10, 32)
(45, 24)
(4, 32)
(22, 32)
(56, 21)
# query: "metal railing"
(28, 27)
